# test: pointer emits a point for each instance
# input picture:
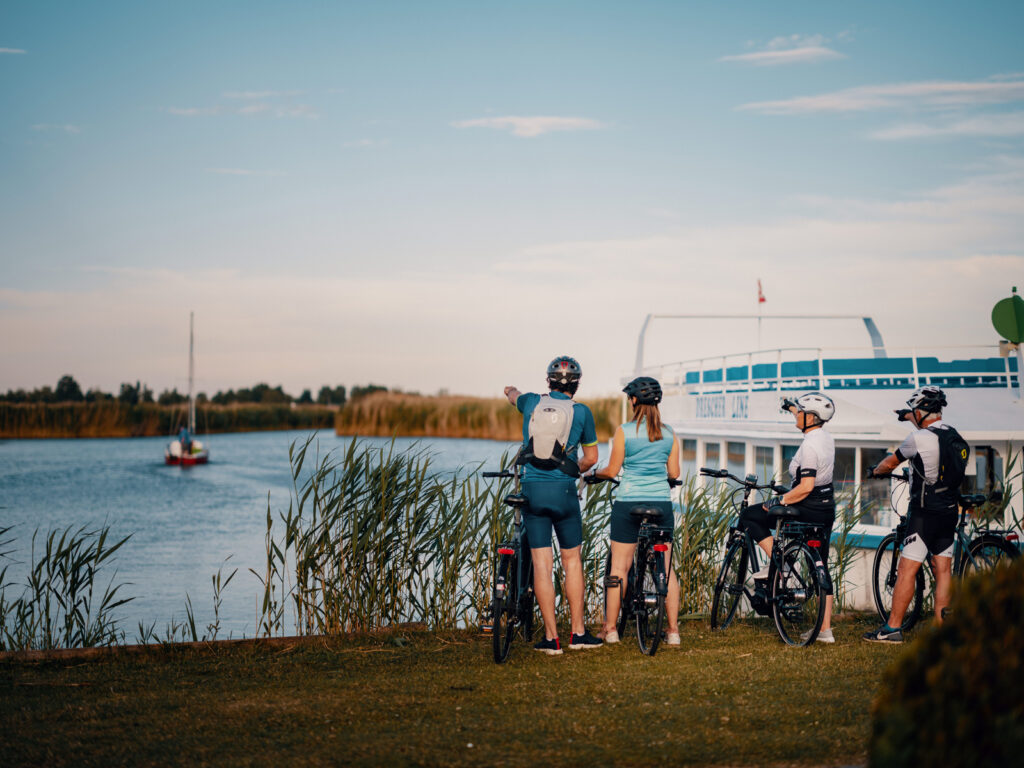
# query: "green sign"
(1008, 318)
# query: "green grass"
(733, 698)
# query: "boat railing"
(796, 368)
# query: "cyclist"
(812, 493)
(554, 427)
(646, 451)
(932, 513)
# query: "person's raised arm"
(512, 394)
(614, 465)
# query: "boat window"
(875, 505)
(788, 452)
(712, 455)
(736, 457)
(764, 462)
(689, 457)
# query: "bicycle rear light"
(1012, 537)
(504, 551)
(661, 547)
(813, 543)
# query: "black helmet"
(564, 371)
(928, 399)
(646, 390)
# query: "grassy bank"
(734, 698)
(114, 419)
(387, 413)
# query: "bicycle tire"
(729, 586)
(503, 610)
(881, 589)
(650, 608)
(797, 596)
(987, 551)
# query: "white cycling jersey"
(815, 457)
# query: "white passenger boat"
(725, 412)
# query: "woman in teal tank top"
(647, 454)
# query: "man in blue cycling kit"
(554, 428)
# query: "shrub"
(954, 695)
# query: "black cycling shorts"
(929, 533)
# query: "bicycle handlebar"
(506, 473)
(594, 480)
(723, 473)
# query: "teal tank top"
(644, 473)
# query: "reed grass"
(385, 414)
(115, 419)
(63, 603)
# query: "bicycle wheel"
(729, 586)
(503, 609)
(987, 551)
(883, 581)
(650, 608)
(797, 597)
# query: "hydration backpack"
(548, 430)
(953, 454)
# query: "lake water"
(183, 522)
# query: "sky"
(446, 195)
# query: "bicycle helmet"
(927, 399)
(564, 372)
(818, 404)
(646, 390)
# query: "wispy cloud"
(252, 103)
(791, 49)
(1001, 125)
(241, 172)
(530, 127)
(931, 94)
(50, 127)
(12, 50)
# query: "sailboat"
(184, 450)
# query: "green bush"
(956, 694)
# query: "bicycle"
(981, 552)
(644, 602)
(512, 598)
(798, 582)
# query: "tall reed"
(63, 603)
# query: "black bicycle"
(512, 598)
(798, 582)
(980, 551)
(643, 599)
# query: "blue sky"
(445, 195)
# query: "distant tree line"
(69, 391)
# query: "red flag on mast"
(760, 293)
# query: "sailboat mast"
(191, 365)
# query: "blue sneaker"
(884, 634)
(550, 647)
(586, 640)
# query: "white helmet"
(818, 404)
(927, 399)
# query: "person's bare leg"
(622, 557)
(826, 623)
(942, 568)
(903, 592)
(672, 601)
(572, 567)
(544, 590)
(766, 545)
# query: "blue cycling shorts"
(552, 506)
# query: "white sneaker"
(825, 636)
(611, 637)
(672, 638)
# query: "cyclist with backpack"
(646, 451)
(938, 459)
(554, 428)
(812, 492)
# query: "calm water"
(184, 522)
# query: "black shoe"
(550, 647)
(884, 635)
(586, 640)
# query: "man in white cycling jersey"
(932, 513)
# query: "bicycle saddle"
(781, 510)
(641, 513)
(516, 500)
